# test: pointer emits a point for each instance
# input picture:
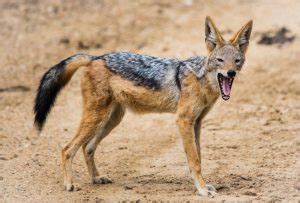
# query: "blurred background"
(249, 144)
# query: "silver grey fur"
(152, 72)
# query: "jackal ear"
(213, 37)
(241, 38)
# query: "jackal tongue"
(226, 86)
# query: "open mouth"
(225, 85)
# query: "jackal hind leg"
(89, 148)
(97, 106)
(91, 121)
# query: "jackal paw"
(101, 180)
(70, 188)
(207, 191)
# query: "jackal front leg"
(186, 121)
(197, 131)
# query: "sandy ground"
(250, 144)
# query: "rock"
(232, 147)
(220, 186)
(249, 193)
(128, 187)
(246, 178)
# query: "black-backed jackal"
(114, 82)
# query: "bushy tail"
(53, 81)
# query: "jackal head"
(226, 58)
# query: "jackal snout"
(231, 73)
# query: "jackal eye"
(237, 61)
(220, 60)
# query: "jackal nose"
(231, 73)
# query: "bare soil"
(250, 144)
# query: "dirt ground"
(250, 144)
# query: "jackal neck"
(196, 65)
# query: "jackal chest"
(205, 98)
(198, 92)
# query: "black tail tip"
(38, 125)
(40, 116)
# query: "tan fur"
(196, 100)
(73, 66)
(140, 99)
(234, 40)
(237, 39)
(220, 39)
(97, 106)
